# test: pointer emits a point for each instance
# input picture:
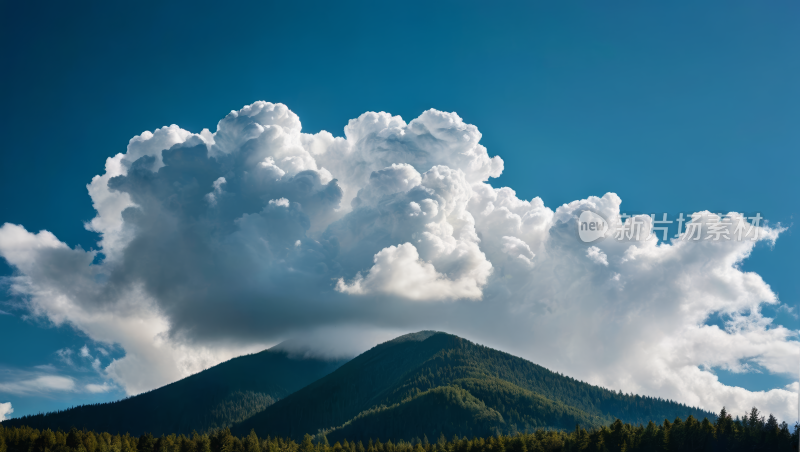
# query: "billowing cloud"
(5, 411)
(216, 244)
(597, 255)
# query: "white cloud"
(42, 381)
(597, 255)
(212, 197)
(96, 389)
(399, 271)
(39, 385)
(5, 411)
(438, 257)
(257, 232)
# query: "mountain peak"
(419, 336)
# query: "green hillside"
(217, 397)
(432, 383)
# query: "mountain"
(421, 384)
(431, 383)
(217, 397)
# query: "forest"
(751, 432)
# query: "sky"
(278, 206)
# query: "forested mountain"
(214, 398)
(429, 384)
(424, 384)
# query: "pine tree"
(307, 445)
(146, 443)
(90, 442)
(519, 444)
(127, 442)
(322, 442)
(251, 443)
(74, 439)
(46, 441)
(202, 443)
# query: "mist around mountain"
(215, 398)
(432, 384)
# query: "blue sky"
(676, 107)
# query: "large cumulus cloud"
(214, 244)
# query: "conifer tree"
(47, 441)
(73, 439)
(202, 443)
(322, 442)
(146, 443)
(251, 443)
(307, 445)
(128, 444)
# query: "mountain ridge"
(232, 391)
(416, 373)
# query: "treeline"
(752, 432)
(147, 414)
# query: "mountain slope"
(432, 383)
(217, 397)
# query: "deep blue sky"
(676, 106)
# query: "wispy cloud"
(96, 389)
(39, 385)
(44, 381)
(65, 355)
